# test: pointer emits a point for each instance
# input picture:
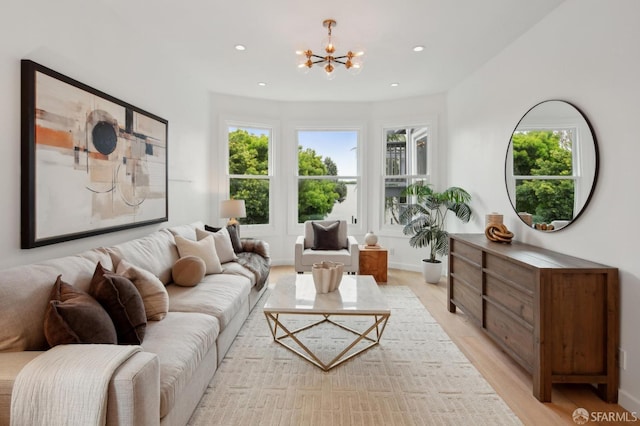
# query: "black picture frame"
(91, 163)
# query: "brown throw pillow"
(188, 271)
(154, 295)
(122, 301)
(326, 237)
(73, 316)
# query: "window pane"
(320, 199)
(421, 153)
(406, 158)
(546, 199)
(327, 153)
(255, 193)
(248, 151)
(396, 159)
(394, 201)
(543, 152)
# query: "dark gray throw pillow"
(326, 237)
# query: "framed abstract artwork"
(91, 163)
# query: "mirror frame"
(595, 172)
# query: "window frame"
(429, 177)
(224, 187)
(296, 228)
(577, 165)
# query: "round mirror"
(551, 165)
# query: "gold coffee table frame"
(357, 296)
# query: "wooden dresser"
(556, 315)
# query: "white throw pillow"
(154, 295)
(222, 239)
(205, 249)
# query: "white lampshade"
(232, 209)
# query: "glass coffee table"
(358, 295)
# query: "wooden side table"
(373, 261)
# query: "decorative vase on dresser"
(556, 315)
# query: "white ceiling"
(459, 36)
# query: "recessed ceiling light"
(262, 84)
(395, 84)
(418, 48)
(240, 47)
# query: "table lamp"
(232, 209)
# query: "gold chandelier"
(352, 60)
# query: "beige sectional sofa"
(163, 383)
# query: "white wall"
(94, 48)
(285, 116)
(585, 52)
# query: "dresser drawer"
(465, 250)
(465, 271)
(520, 275)
(520, 303)
(509, 333)
(467, 299)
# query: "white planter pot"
(432, 272)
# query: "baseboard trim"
(629, 402)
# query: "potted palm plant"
(425, 222)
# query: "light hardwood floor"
(509, 380)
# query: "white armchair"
(347, 252)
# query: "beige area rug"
(415, 376)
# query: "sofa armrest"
(253, 245)
(134, 388)
(352, 245)
(299, 249)
(134, 392)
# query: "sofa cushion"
(310, 256)
(73, 316)
(123, 303)
(181, 341)
(224, 248)
(154, 295)
(25, 291)
(188, 271)
(205, 249)
(186, 231)
(235, 268)
(220, 296)
(155, 253)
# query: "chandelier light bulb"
(352, 60)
